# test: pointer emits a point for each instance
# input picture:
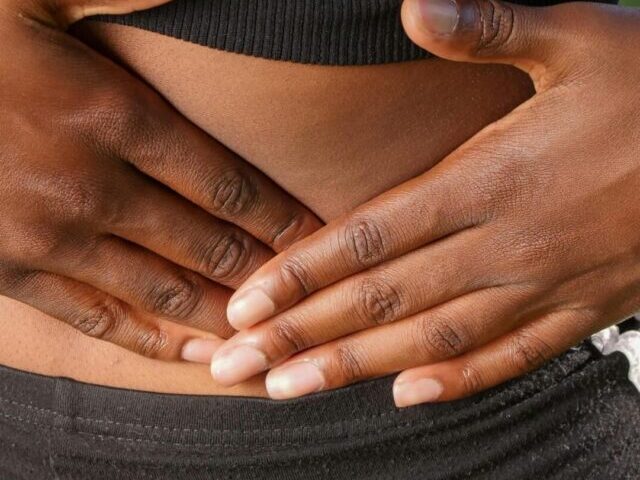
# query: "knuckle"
(497, 26)
(366, 241)
(529, 352)
(227, 258)
(439, 338)
(351, 362)
(297, 226)
(100, 320)
(529, 251)
(294, 273)
(79, 199)
(232, 193)
(40, 247)
(377, 302)
(10, 279)
(471, 380)
(288, 337)
(150, 342)
(112, 119)
(178, 298)
(19, 281)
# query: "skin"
(252, 106)
(120, 217)
(538, 249)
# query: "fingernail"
(200, 350)
(415, 392)
(238, 364)
(294, 380)
(248, 308)
(437, 16)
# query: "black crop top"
(330, 32)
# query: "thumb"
(487, 31)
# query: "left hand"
(519, 244)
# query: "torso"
(352, 132)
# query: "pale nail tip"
(220, 374)
(296, 380)
(237, 322)
(199, 350)
(278, 388)
(249, 308)
(425, 390)
(234, 319)
(215, 373)
(192, 358)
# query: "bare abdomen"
(332, 136)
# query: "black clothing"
(330, 32)
(577, 417)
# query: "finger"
(431, 336)
(421, 211)
(397, 222)
(175, 152)
(532, 38)
(380, 296)
(97, 315)
(149, 283)
(508, 357)
(168, 225)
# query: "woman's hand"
(119, 216)
(519, 244)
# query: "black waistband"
(363, 411)
(580, 404)
(329, 32)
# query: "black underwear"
(329, 32)
(578, 417)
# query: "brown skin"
(120, 217)
(519, 244)
(352, 131)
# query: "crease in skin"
(333, 137)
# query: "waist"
(34, 342)
(543, 422)
(350, 131)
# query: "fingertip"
(411, 390)
(416, 386)
(431, 17)
(409, 14)
(231, 366)
(248, 307)
(299, 228)
(294, 380)
(200, 350)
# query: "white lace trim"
(610, 340)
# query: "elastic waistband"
(327, 32)
(364, 411)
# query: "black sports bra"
(330, 32)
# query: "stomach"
(333, 137)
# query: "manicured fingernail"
(437, 16)
(415, 392)
(294, 380)
(237, 364)
(249, 307)
(200, 350)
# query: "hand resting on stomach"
(331, 136)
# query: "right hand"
(117, 215)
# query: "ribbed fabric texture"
(578, 417)
(329, 32)
(333, 32)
